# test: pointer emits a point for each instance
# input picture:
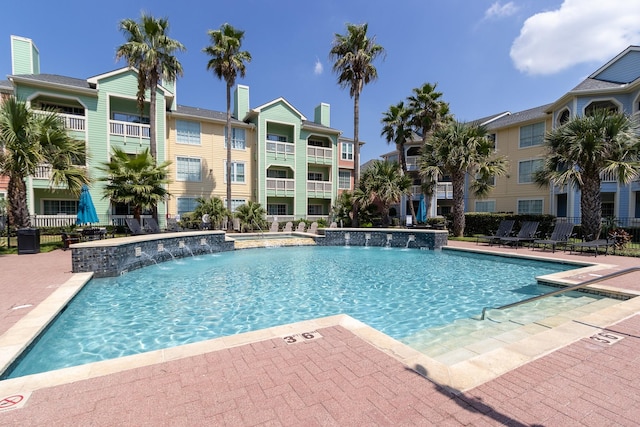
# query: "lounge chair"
(527, 233)
(302, 227)
(69, 239)
(288, 228)
(151, 226)
(595, 244)
(134, 226)
(559, 236)
(172, 225)
(275, 227)
(504, 230)
(314, 228)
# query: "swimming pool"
(398, 292)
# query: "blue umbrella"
(86, 211)
(421, 216)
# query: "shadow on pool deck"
(339, 379)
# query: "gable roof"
(532, 114)
(53, 79)
(202, 113)
(275, 101)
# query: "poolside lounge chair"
(504, 230)
(288, 228)
(172, 225)
(595, 244)
(302, 227)
(314, 228)
(69, 239)
(527, 233)
(151, 226)
(559, 236)
(275, 227)
(134, 226)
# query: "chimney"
(322, 115)
(25, 56)
(241, 102)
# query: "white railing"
(319, 152)
(280, 147)
(43, 171)
(60, 220)
(416, 190)
(608, 177)
(70, 121)
(319, 186)
(127, 129)
(412, 163)
(281, 184)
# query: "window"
(600, 105)
(485, 205)
(531, 135)
(527, 170)
(533, 206)
(275, 137)
(130, 118)
(564, 117)
(237, 172)
(344, 180)
(186, 204)
(608, 203)
(347, 151)
(276, 209)
(188, 169)
(64, 109)
(314, 210)
(187, 132)
(316, 143)
(238, 141)
(492, 138)
(55, 207)
(235, 203)
(276, 173)
(315, 176)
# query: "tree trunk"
(18, 212)
(591, 207)
(356, 153)
(403, 170)
(153, 142)
(458, 204)
(228, 141)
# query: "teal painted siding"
(25, 57)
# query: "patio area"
(340, 377)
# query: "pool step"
(467, 338)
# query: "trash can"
(28, 241)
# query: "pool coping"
(458, 377)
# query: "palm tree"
(135, 180)
(227, 62)
(463, 151)
(385, 183)
(397, 129)
(584, 148)
(28, 139)
(150, 50)
(251, 215)
(354, 53)
(427, 112)
(214, 207)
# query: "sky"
(485, 56)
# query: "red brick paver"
(338, 379)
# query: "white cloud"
(318, 68)
(579, 31)
(500, 11)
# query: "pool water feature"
(396, 291)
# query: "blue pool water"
(398, 292)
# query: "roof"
(309, 124)
(537, 113)
(6, 85)
(56, 79)
(202, 113)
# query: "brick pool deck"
(339, 379)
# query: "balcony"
(444, 190)
(320, 189)
(43, 171)
(281, 187)
(69, 121)
(319, 155)
(412, 163)
(128, 130)
(281, 148)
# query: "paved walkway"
(336, 379)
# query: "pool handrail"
(563, 290)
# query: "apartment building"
(293, 166)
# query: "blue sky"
(486, 56)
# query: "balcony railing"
(280, 147)
(70, 121)
(444, 190)
(280, 185)
(319, 186)
(608, 177)
(320, 152)
(127, 129)
(412, 163)
(43, 171)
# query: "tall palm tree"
(585, 147)
(27, 140)
(354, 53)
(135, 180)
(427, 112)
(228, 62)
(150, 50)
(463, 151)
(397, 129)
(383, 182)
